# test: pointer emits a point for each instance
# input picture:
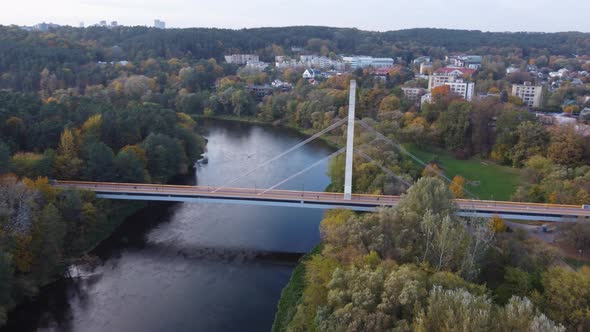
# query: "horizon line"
(303, 25)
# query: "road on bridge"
(368, 202)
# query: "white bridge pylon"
(350, 142)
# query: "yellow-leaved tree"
(457, 186)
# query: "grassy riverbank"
(291, 294)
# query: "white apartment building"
(241, 59)
(355, 62)
(463, 89)
(308, 61)
(531, 95)
(256, 65)
(446, 75)
(413, 94)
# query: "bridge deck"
(363, 202)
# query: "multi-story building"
(309, 61)
(159, 24)
(256, 65)
(466, 61)
(241, 59)
(460, 88)
(531, 95)
(448, 75)
(413, 94)
(321, 62)
(425, 68)
(463, 89)
(355, 62)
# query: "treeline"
(83, 139)
(420, 267)
(72, 53)
(75, 138)
(42, 230)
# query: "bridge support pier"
(350, 142)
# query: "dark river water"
(193, 266)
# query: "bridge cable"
(305, 169)
(406, 152)
(318, 134)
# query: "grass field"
(495, 181)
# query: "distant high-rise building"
(159, 24)
(241, 59)
(103, 23)
(81, 25)
(114, 24)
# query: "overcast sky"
(381, 15)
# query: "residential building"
(426, 99)
(321, 62)
(241, 59)
(531, 95)
(466, 61)
(413, 94)
(448, 75)
(355, 62)
(283, 86)
(463, 89)
(256, 65)
(425, 68)
(260, 91)
(312, 74)
(422, 59)
(512, 70)
(284, 62)
(159, 24)
(460, 88)
(559, 74)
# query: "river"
(193, 266)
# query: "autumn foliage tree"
(457, 186)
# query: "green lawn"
(495, 181)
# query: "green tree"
(6, 279)
(100, 163)
(566, 296)
(455, 310)
(4, 157)
(532, 139)
(130, 168)
(566, 147)
(165, 156)
(454, 125)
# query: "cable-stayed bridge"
(306, 199)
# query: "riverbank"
(292, 293)
(187, 267)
